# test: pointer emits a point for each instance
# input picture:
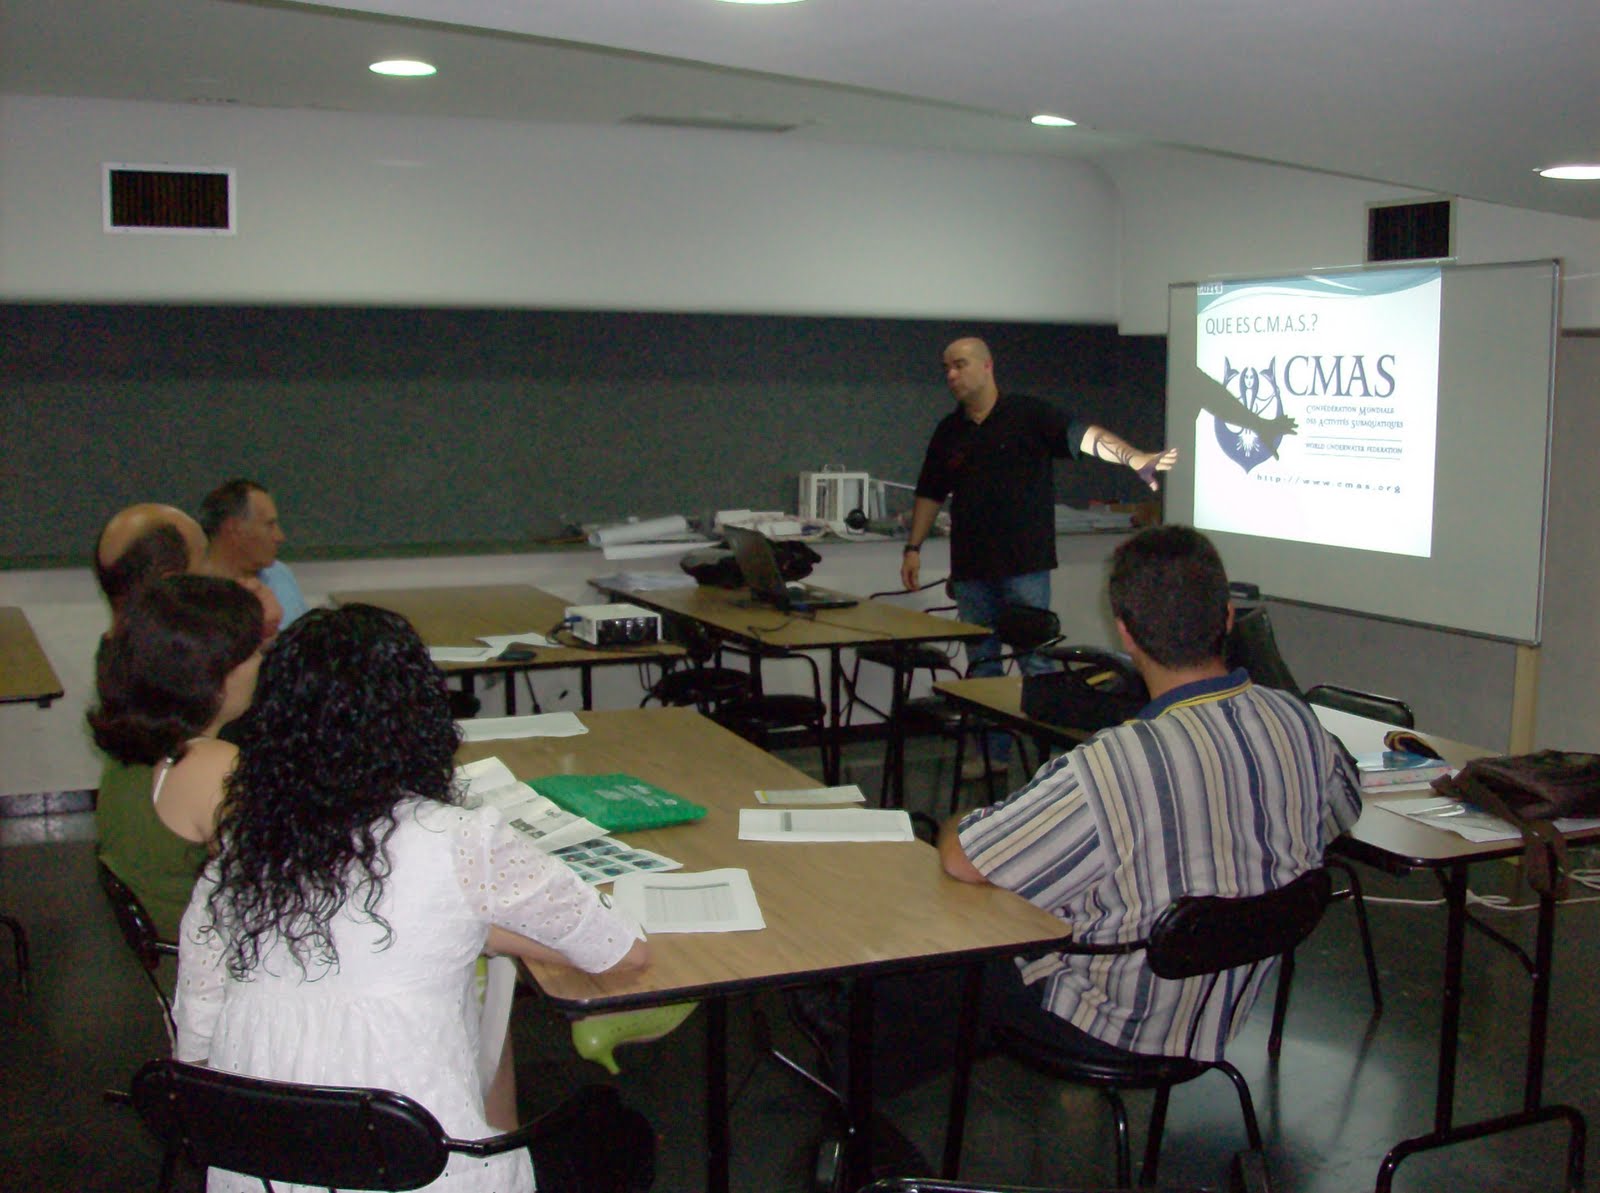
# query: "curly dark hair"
(160, 670)
(351, 717)
(1169, 588)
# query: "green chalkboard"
(385, 429)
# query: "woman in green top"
(179, 664)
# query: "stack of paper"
(840, 824)
(849, 794)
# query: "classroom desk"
(25, 670)
(459, 615)
(1399, 845)
(765, 631)
(852, 911)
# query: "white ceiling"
(1460, 97)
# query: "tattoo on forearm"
(1107, 448)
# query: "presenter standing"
(992, 457)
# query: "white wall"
(1187, 217)
(345, 208)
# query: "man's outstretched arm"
(1104, 445)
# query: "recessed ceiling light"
(1045, 120)
(1577, 171)
(404, 68)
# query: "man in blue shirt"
(241, 521)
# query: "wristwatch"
(910, 547)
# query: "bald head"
(142, 543)
(969, 372)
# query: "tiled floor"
(1346, 1088)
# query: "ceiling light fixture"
(761, 1)
(1045, 120)
(403, 68)
(1575, 172)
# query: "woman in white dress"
(334, 937)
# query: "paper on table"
(606, 859)
(649, 530)
(461, 654)
(850, 794)
(498, 642)
(489, 781)
(838, 824)
(710, 901)
(650, 550)
(1472, 823)
(547, 724)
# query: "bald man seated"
(142, 543)
(150, 540)
(138, 546)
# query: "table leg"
(961, 1080)
(1444, 1132)
(834, 748)
(717, 1134)
(511, 693)
(1455, 897)
(586, 680)
(857, 1158)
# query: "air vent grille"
(725, 124)
(168, 199)
(1410, 231)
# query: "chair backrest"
(1252, 645)
(1209, 933)
(1023, 628)
(300, 1134)
(138, 929)
(1362, 704)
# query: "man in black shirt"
(993, 457)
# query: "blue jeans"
(980, 602)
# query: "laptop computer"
(759, 567)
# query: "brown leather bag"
(1529, 791)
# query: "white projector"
(614, 625)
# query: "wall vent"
(724, 124)
(1411, 231)
(170, 199)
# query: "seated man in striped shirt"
(1217, 787)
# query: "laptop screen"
(757, 564)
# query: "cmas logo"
(1250, 428)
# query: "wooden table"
(764, 631)
(1401, 845)
(25, 670)
(460, 615)
(852, 911)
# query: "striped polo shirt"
(1220, 787)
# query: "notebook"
(759, 567)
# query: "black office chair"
(1195, 937)
(1022, 629)
(902, 659)
(759, 716)
(1363, 704)
(350, 1138)
(1251, 644)
(140, 935)
(19, 947)
(699, 680)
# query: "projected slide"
(1318, 424)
